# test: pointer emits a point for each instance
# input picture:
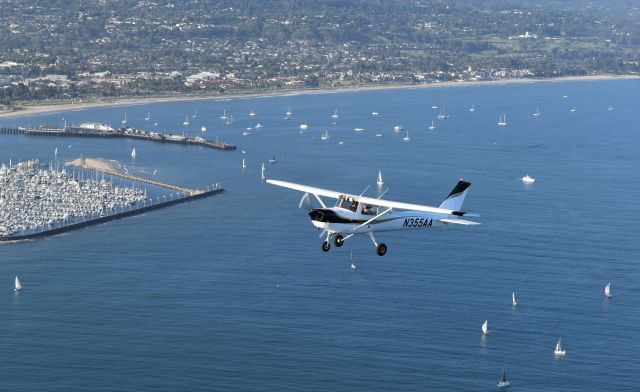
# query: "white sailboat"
(358, 129)
(55, 152)
(432, 126)
(558, 350)
(502, 122)
(272, 160)
(610, 108)
(573, 109)
(244, 165)
(124, 122)
(224, 115)
(528, 179)
(335, 114)
(325, 135)
(406, 138)
(443, 115)
(513, 299)
(148, 116)
(304, 126)
(195, 113)
(18, 285)
(229, 120)
(375, 114)
(380, 182)
(397, 128)
(258, 126)
(607, 290)
(203, 128)
(289, 113)
(133, 153)
(262, 172)
(503, 383)
(353, 266)
(252, 113)
(472, 108)
(485, 327)
(537, 112)
(186, 120)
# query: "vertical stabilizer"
(456, 197)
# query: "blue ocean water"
(233, 292)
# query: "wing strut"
(374, 218)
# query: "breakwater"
(147, 205)
(100, 130)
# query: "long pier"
(107, 169)
(44, 232)
(104, 131)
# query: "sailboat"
(472, 108)
(244, 165)
(537, 112)
(325, 135)
(432, 126)
(252, 113)
(443, 115)
(406, 138)
(224, 115)
(288, 114)
(528, 179)
(148, 116)
(503, 383)
(607, 290)
(353, 266)
(380, 182)
(186, 120)
(558, 350)
(397, 128)
(513, 299)
(262, 171)
(195, 113)
(610, 108)
(485, 327)
(55, 152)
(124, 122)
(18, 285)
(502, 121)
(203, 128)
(272, 160)
(229, 120)
(335, 114)
(133, 153)
(573, 109)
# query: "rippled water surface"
(233, 292)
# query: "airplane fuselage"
(345, 221)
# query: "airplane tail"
(456, 197)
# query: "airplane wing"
(307, 189)
(367, 200)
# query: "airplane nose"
(316, 215)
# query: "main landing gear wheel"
(325, 246)
(381, 249)
(338, 241)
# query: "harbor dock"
(38, 201)
(102, 130)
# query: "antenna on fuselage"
(365, 189)
(382, 194)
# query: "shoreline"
(59, 108)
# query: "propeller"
(304, 201)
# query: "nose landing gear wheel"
(338, 241)
(325, 246)
(381, 249)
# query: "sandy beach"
(56, 108)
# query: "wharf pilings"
(147, 206)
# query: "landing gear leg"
(381, 249)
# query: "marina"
(37, 200)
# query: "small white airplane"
(356, 214)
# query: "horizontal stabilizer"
(459, 222)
